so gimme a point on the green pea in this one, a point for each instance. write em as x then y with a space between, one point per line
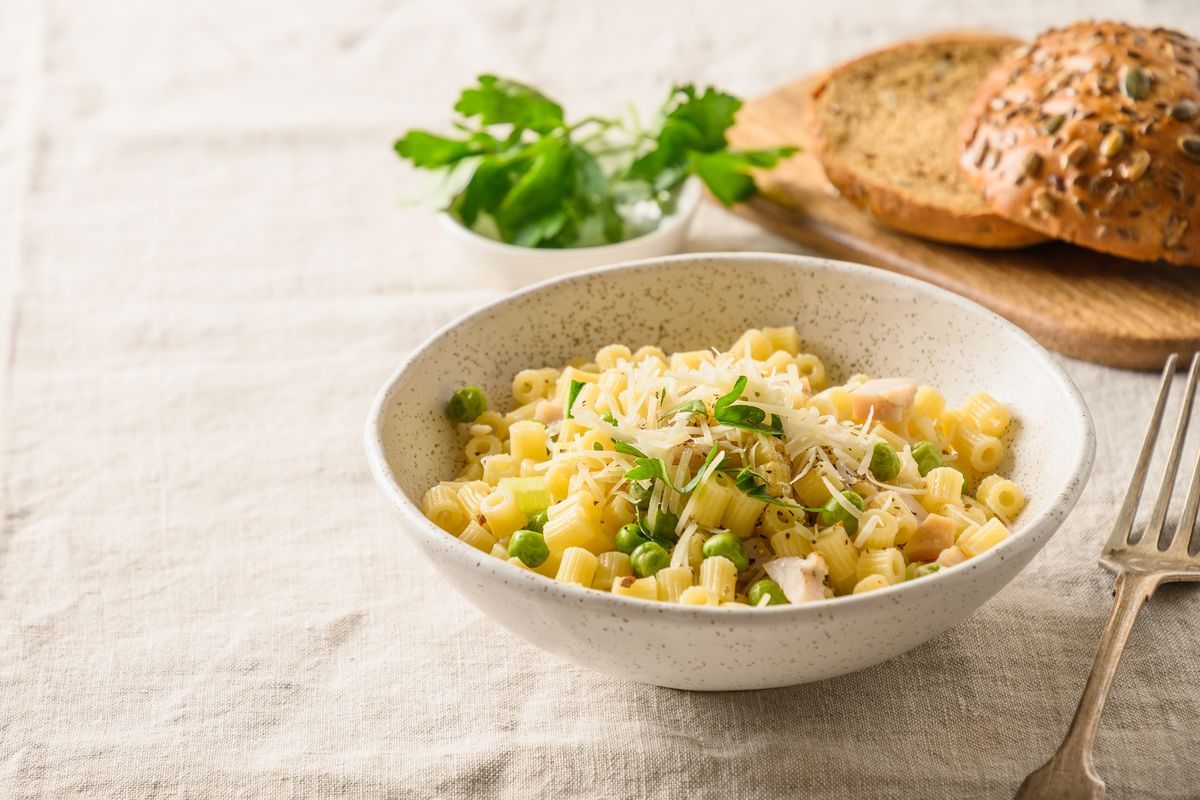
728 545
537 522
927 457
885 464
832 512
766 588
530 547
466 404
630 537
649 558
664 526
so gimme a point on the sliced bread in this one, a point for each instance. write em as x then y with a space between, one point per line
1091 134
885 128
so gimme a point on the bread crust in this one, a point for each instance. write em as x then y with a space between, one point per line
894 206
1091 134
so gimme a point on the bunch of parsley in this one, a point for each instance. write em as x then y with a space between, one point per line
520 172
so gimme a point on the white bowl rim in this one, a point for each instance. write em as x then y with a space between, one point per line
1056 510
689 201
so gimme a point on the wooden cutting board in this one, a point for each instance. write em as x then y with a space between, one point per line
1084 304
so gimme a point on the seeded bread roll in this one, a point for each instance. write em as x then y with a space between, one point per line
885 128
1090 134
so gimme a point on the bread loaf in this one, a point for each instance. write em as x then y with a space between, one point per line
1091 134
885 128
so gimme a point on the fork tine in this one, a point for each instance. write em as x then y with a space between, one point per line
1124 524
1154 528
1187 521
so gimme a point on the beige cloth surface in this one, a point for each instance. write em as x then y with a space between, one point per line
205 275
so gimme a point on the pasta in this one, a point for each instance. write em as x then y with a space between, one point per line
672 582
609 567
441 505
697 477
1002 497
577 566
501 514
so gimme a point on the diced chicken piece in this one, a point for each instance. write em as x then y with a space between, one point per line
547 411
888 396
932 536
802 579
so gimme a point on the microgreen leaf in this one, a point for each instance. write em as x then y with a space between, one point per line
691 485
572 393
627 449
690 407
646 468
753 485
748 418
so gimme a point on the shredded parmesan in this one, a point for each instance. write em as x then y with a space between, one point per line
679 558
864 532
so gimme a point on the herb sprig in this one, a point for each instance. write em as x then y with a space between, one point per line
533 179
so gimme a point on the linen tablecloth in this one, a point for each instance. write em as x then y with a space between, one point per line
206 271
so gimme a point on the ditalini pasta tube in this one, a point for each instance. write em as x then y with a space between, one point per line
694 477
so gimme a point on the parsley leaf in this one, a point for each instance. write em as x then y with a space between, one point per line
500 101
430 151
727 173
533 179
746 417
692 141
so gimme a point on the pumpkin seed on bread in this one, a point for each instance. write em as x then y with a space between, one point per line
885 128
1091 134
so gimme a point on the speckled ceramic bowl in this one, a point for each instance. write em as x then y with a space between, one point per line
858 320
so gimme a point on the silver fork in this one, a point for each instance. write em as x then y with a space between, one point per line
1141 563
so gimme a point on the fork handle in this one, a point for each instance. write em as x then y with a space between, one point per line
1070 774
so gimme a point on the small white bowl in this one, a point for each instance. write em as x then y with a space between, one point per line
856 319
516 266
